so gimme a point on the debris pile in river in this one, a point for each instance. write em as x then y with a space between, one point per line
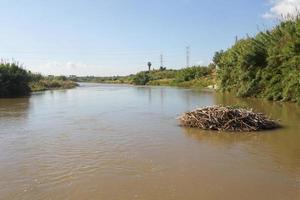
227 119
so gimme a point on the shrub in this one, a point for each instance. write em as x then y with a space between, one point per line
13 80
191 73
267 65
141 78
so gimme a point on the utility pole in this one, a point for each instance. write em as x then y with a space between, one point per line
161 61
188 56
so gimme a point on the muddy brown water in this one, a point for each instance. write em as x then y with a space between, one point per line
123 142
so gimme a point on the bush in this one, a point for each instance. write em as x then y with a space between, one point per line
191 73
50 84
267 65
141 78
13 80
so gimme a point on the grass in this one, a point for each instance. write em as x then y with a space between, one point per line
45 84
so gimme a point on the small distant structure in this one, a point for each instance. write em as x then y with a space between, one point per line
149 66
162 68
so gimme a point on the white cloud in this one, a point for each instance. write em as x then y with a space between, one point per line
283 8
78 68
75 65
61 68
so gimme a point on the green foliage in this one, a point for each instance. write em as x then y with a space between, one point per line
111 79
161 68
33 77
41 83
141 78
199 83
48 84
57 78
162 82
154 77
217 57
267 65
191 73
187 77
196 76
13 80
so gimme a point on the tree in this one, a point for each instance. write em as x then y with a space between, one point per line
13 80
141 78
191 73
149 66
266 65
217 57
162 68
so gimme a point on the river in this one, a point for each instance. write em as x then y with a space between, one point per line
119 142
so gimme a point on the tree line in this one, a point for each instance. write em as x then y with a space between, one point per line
16 81
266 65
196 76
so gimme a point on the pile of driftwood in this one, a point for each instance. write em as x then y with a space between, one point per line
227 119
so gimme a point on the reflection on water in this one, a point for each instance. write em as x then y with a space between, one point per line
123 142
288 112
283 142
11 110
13 107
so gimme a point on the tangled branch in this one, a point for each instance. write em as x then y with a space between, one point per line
227 119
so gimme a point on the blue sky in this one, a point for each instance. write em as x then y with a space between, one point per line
118 37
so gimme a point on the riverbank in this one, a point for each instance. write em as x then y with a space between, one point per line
266 65
263 66
45 84
15 81
192 77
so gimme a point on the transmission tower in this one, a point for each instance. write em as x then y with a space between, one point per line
161 60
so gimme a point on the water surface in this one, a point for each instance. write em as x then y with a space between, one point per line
123 142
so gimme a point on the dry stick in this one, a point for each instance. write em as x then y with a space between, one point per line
226 118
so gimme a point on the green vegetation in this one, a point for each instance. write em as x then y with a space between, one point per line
196 77
41 83
108 79
15 81
267 65
154 77
141 78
